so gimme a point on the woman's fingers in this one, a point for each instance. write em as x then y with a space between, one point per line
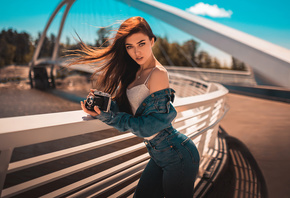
83 106
92 113
97 110
91 92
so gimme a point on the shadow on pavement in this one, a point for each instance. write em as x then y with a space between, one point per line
241 177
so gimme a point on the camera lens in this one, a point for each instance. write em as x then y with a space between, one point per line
90 100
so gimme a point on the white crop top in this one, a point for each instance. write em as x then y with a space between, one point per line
138 93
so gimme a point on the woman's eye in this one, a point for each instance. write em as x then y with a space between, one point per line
128 47
141 44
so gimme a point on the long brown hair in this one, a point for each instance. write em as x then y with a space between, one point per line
116 69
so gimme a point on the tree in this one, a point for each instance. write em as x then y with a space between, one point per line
15 48
238 65
161 51
204 60
47 46
7 52
177 55
190 47
67 41
103 35
216 63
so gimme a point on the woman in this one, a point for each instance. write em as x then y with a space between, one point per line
142 103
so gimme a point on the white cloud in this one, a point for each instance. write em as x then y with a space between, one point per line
210 10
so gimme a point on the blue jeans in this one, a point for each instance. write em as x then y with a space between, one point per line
172 169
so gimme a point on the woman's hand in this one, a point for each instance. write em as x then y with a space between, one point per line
91 92
96 111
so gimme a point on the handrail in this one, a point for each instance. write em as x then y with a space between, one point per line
198 117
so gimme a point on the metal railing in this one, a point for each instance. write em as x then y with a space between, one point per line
109 165
223 76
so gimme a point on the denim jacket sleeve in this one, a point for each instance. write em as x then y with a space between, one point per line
157 115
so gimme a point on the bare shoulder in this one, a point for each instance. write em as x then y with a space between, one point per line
159 79
160 73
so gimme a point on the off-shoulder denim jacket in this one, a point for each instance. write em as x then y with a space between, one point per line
154 114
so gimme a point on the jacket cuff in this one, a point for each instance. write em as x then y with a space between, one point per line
105 116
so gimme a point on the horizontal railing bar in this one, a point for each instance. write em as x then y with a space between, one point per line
188 78
97 177
196 133
125 190
196 140
68 171
190 122
216 108
197 101
226 108
196 128
184 117
218 102
19 165
130 176
213 117
230 72
204 163
46 127
106 184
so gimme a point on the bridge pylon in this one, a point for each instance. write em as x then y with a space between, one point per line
38 73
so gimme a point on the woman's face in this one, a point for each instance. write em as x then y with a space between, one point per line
139 47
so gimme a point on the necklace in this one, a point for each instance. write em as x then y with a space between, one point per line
139 76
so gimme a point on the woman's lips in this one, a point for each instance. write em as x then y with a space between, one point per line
139 58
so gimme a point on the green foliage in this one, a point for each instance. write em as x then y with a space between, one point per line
15 48
183 55
47 46
103 35
238 65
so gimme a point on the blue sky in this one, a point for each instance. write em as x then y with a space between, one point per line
268 20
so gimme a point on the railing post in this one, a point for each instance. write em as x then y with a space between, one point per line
204 137
5 158
211 143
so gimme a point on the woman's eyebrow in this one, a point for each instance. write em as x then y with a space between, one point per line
140 41
137 43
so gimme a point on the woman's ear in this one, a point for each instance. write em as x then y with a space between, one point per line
152 42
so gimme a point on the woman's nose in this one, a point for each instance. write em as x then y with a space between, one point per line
137 51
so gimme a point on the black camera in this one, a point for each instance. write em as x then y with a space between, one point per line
100 99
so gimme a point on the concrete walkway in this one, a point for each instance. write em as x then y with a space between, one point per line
264 127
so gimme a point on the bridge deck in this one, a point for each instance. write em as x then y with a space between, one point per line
264 127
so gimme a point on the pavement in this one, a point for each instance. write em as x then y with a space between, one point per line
31 102
263 126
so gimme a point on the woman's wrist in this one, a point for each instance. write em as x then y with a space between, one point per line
104 116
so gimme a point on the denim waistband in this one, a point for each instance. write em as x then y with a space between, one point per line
161 136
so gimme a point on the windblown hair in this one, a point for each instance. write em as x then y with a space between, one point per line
115 68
